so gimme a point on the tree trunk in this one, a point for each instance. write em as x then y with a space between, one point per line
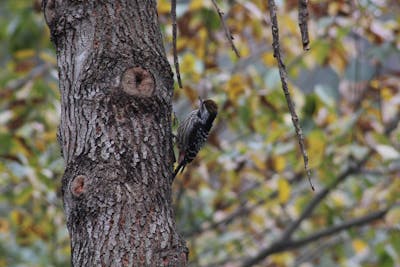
115 133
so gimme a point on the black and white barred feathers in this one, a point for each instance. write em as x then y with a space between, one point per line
193 132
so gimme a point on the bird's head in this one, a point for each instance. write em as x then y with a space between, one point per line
208 110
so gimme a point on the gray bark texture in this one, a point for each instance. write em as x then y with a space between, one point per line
115 133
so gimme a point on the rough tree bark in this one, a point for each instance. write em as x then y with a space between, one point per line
115 133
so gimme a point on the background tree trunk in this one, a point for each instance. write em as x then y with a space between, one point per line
116 87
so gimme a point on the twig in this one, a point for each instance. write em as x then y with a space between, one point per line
340 227
283 75
285 245
227 32
303 18
282 243
322 194
174 31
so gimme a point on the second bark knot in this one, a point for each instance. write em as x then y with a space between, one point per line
78 185
138 82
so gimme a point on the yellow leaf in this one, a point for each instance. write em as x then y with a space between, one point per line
164 7
268 58
258 29
331 118
316 148
339 199
48 57
259 161
181 43
289 22
188 63
40 144
337 61
282 259
200 42
196 4
257 218
333 8
4 226
254 104
67 250
393 191
25 53
279 163
374 84
243 50
235 86
386 94
49 136
284 190
16 217
359 246
259 125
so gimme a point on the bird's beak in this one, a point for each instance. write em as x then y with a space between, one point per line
200 101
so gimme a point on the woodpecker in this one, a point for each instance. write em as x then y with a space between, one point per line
193 132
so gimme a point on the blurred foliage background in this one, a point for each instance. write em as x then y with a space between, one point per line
247 185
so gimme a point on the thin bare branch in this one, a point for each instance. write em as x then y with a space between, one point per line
340 227
226 29
284 242
285 245
174 33
283 75
322 194
303 18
